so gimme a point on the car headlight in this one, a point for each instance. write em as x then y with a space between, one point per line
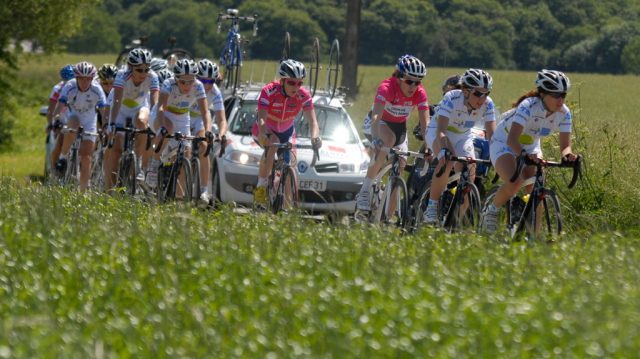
364 166
354 167
243 158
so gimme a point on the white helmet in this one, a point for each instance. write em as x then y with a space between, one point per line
207 69
412 66
553 81
473 78
292 69
139 56
158 64
185 67
164 74
84 69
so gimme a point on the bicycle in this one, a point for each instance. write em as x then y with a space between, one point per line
195 165
231 55
129 162
71 176
382 207
121 60
314 66
524 213
282 185
460 203
333 69
97 175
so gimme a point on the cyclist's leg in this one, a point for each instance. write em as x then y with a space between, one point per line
197 126
388 137
266 164
86 151
114 153
141 123
402 143
438 184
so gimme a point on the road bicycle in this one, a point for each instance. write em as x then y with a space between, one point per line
282 185
97 175
128 164
333 70
314 66
388 202
231 55
460 203
71 175
173 51
537 214
195 165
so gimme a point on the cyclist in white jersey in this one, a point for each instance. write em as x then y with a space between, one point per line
177 96
535 115
163 75
106 76
135 91
66 74
457 113
207 74
81 96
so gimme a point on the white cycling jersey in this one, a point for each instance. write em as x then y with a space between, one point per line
215 101
178 103
54 96
83 104
134 96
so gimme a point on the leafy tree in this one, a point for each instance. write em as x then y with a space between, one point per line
630 58
99 34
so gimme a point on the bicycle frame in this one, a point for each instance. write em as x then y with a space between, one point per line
231 55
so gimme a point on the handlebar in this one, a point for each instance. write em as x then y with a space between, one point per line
148 131
178 136
289 146
468 160
524 160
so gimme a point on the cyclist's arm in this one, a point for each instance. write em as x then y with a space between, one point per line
52 106
221 119
162 103
443 123
56 110
565 146
423 119
118 93
310 115
489 128
204 112
262 118
376 116
153 98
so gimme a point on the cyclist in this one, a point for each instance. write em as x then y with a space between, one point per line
66 74
395 99
279 104
81 96
163 75
106 75
536 114
207 74
158 64
457 113
135 91
177 96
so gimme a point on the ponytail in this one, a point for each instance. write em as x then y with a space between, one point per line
531 93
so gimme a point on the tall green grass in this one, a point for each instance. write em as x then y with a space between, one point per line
96 276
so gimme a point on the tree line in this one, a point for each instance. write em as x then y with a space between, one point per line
572 35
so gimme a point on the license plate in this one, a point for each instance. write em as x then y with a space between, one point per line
312 185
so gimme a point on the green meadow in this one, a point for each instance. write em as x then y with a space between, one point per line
89 275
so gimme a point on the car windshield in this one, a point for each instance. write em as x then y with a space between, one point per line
334 123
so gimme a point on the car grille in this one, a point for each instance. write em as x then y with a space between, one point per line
327 168
326 197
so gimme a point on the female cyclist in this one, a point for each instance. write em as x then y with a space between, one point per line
278 105
395 99
135 91
106 75
66 74
458 112
536 114
81 96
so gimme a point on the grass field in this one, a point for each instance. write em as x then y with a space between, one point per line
96 276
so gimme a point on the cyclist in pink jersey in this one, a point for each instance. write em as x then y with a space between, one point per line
278 105
396 97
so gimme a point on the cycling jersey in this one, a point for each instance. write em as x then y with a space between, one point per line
55 95
135 96
178 104
82 105
282 110
215 102
460 120
398 107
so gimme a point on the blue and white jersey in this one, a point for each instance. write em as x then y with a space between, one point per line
461 121
214 99
82 104
532 115
179 103
135 96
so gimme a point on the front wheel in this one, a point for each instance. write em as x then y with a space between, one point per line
396 203
545 221
195 175
127 174
465 208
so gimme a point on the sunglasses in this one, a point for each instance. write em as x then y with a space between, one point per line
412 82
558 95
207 81
480 94
294 83
145 70
186 82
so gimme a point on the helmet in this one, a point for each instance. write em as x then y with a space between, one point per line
410 65
158 64
84 69
163 75
139 56
553 81
207 69
107 71
66 73
292 69
473 78
185 67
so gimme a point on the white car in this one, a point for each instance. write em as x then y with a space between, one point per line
329 187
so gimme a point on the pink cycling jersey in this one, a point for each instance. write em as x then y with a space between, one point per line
398 107
282 110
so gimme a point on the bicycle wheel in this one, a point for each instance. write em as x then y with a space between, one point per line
286 49
334 68
289 183
275 191
314 67
471 216
195 175
419 207
544 221
71 174
97 175
127 174
182 180
396 203
162 187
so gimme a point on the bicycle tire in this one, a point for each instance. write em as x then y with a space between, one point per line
471 217
334 68
417 208
550 226
195 176
314 67
71 174
215 182
286 49
275 196
399 214
97 175
163 183
127 174
179 52
182 167
288 184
